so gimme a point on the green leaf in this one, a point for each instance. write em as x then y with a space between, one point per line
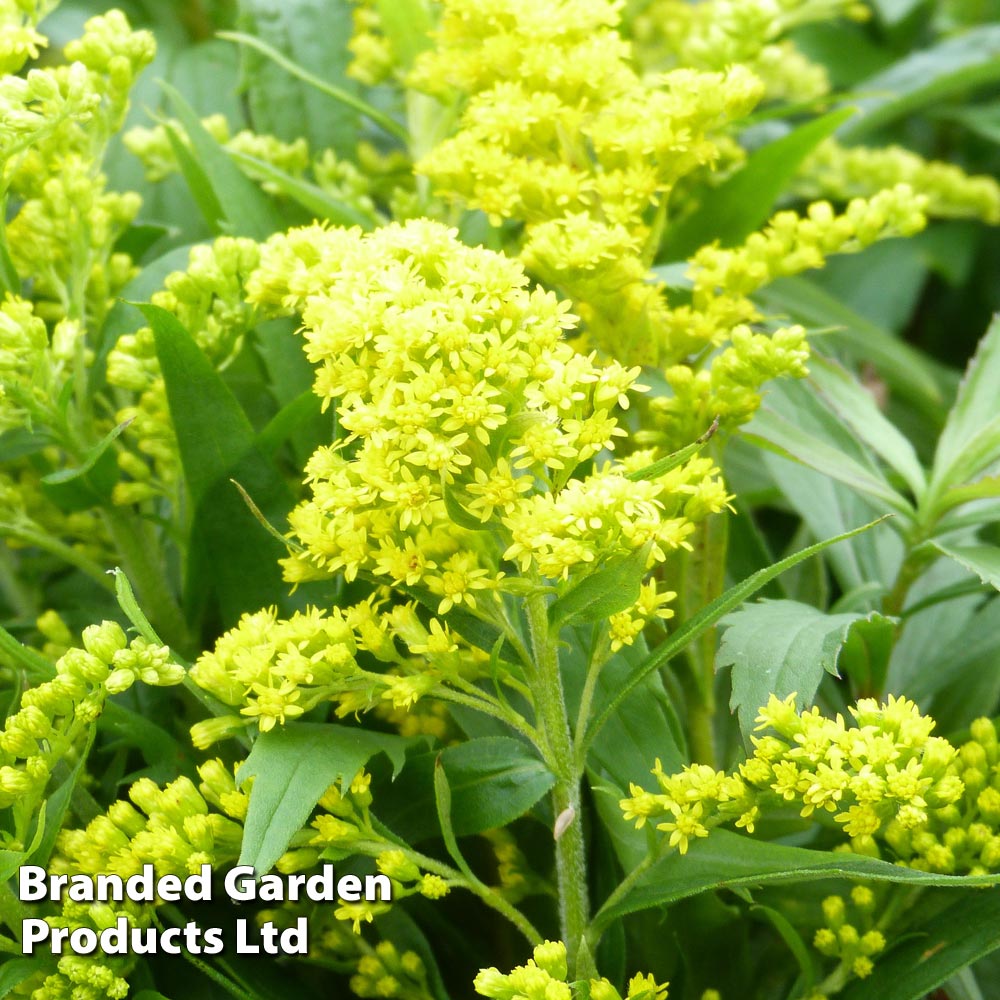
983 120
9 279
10 861
32 661
726 860
786 437
603 593
128 604
970 440
341 96
952 939
89 459
966 648
743 202
300 412
829 508
311 37
56 806
442 803
309 196
16 970
892 12
232 559
780 648
492 780
983 560
206 75
793 939
858 410
643 728
906 371
211 427
197 181
90 483
673 460
865 655
292 767
707 617
246 209
966 60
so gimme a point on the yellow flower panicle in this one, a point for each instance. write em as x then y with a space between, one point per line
560 132
896 790
274 670
713 34
174 829
55 717
463 406
841 172
56 126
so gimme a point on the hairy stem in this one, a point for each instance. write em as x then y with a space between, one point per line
571 866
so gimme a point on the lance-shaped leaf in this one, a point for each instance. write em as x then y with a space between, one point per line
292 767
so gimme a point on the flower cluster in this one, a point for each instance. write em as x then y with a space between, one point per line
276 669
172 828
61 120
19 41
723 278
55 716
559 131
836 171
32 369
544 975
463 408
372 58
386 972
853 943
714 34
886 780
153 147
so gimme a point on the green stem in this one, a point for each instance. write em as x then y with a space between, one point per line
703 582
913 565
137 549
487 894
571 861
489 706
599 654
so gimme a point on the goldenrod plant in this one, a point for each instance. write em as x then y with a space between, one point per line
479 515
